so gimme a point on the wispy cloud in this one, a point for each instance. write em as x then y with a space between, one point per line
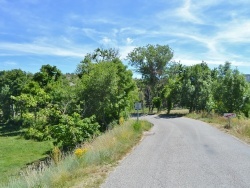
35 49
186 14
9 63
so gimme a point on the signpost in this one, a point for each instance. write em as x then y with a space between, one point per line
137 107
229 116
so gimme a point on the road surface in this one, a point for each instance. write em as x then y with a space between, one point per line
181 152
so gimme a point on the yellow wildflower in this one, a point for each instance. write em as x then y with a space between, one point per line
80 152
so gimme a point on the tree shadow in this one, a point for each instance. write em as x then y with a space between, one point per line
134 115
10 129
171 116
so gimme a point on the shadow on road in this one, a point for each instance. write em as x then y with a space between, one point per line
170 116
167 116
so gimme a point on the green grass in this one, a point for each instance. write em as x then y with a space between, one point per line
16 152
90 170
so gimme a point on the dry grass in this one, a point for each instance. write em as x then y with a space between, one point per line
240 127
89 170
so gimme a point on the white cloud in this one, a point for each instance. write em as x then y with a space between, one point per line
125 50
187 14
235 32
106 40
129 40
37 49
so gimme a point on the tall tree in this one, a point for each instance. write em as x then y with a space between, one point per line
196 87
151 61
106 89
11 84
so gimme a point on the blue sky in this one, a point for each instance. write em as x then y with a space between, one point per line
60 32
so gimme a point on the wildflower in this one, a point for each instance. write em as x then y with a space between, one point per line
80 152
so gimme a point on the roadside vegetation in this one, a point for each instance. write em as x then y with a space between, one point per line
88 164
240 126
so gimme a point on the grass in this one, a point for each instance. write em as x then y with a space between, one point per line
89 170
240 127
16 152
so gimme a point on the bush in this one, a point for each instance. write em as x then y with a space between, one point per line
73 130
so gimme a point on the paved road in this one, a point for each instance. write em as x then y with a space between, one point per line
184 153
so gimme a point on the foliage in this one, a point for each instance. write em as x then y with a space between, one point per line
106 91
231 90
151 61
11 84
73 130
196 88
47 75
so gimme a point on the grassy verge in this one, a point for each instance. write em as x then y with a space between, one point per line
16 152
91 168
240 127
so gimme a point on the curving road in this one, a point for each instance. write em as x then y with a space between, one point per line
182 152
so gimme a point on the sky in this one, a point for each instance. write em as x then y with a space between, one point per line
60 32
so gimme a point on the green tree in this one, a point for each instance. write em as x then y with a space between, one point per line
106 90
32 99
11 84
231 90
47 75
151 61
171 93
99 55
196 87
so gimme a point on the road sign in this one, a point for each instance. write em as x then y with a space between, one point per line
137 106
229 115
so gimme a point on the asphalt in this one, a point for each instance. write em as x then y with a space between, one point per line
181 152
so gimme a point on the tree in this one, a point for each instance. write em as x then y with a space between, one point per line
32 99
99 55
47 75
196 87
11 84
171 93
106 90
231 90
151 62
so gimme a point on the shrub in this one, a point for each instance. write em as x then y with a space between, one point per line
73 130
